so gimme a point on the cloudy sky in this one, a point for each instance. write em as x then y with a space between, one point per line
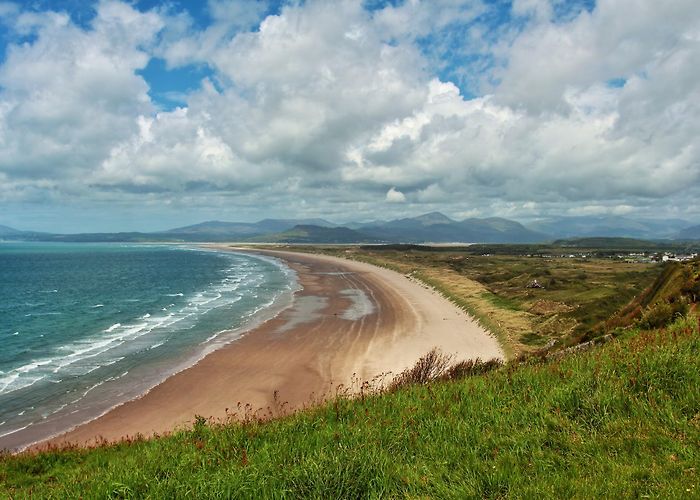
145 114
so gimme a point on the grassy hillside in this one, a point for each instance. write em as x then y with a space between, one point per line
622 420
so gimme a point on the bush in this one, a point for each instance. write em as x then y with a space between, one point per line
435 365
429 367
664 313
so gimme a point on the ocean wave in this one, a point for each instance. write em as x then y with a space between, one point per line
84 356
15 430
113 327
20 378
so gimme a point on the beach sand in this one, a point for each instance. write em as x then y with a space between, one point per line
350 322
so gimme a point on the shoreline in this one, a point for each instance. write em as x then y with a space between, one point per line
32 435
351 322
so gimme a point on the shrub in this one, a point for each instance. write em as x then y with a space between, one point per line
435 365
664 312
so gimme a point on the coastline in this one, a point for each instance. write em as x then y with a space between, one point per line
149 375
350 322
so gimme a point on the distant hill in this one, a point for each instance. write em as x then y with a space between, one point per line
100 237
17 234
216 227
438 228
608 226
316 234
8 231
610 243
689 233
219 230
278 225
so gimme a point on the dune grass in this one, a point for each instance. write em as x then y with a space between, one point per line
621 420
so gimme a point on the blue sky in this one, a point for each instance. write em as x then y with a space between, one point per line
142 115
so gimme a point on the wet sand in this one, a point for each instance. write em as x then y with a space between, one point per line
351 322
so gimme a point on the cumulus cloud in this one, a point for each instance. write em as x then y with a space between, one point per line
416 18
66 97
319 108
305 86
394 196
618 39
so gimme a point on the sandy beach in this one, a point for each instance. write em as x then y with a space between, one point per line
350 322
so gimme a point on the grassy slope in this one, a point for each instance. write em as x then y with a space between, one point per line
622 420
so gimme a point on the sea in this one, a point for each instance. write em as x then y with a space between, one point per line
86 327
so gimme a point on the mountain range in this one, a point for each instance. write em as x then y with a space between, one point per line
433 227
610 226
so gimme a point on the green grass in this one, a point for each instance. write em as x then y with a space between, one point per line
502 302
622 420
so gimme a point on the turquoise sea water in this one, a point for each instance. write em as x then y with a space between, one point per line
84 327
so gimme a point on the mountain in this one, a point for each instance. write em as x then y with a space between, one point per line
498 230
279 225
8 231
215 227
101 237
438 228
608 226
222 230
316 234
689 233
425 220
16 234
433 227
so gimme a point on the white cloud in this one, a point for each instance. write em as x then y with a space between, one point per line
394 196
240 14
303 90
66 98
541 9
415 18
329 102
619 38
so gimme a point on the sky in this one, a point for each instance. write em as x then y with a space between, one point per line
146 115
